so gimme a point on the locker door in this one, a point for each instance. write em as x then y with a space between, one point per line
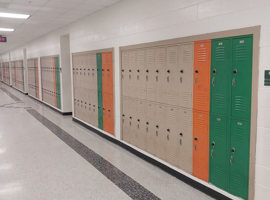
133 104
108 114
152 128
201 83
133 89
37 77
99 84
160 75
150 75
220 76
124 73
105 61
242 77
140 73
162 131
171 78
57 79
140 128
239 158
126 134
201 145
185 74
184 139
173 129
218 146
95 107
94 71
108 73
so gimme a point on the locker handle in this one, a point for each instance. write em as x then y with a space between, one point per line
123 70
129 70
157 126
181 134
182 71
147 70
233 150
123 115
196 71
130 117
138 70
235 71
168 130
213 144
168 71
231 160
214 71
213 81
195 138
147 123
233 82
138 120
157 71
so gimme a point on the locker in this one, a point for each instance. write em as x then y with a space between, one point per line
124 73
108 113
242 77
239 158
132 120
140 72
201 144
36 77
220 76
126 134
201 83
133 89
152 128
160 78
171 76
140 137
150 75
185 71
162 131
218 146
57 82
99 84
107 70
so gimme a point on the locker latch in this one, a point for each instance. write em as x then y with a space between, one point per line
231 159
212 150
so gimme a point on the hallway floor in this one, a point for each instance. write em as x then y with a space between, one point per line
47 156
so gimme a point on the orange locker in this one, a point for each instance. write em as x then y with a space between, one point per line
201 78
201 99
107 72
108 113
201 145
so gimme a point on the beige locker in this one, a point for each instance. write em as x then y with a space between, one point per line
139 71
140 138
185 94
171 76
124 73
163 131
126 121
150 75
160 74
133 89
152 128
133 105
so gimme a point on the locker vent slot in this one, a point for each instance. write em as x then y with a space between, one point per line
241 52
188 55
172 56
220 53
240 104
202 54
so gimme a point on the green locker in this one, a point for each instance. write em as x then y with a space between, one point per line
57 80
242 77
221 61
230 110
219 156
99 84
239 158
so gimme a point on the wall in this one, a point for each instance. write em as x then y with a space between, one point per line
131 22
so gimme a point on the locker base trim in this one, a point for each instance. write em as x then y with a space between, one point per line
19 90
193 183
51 107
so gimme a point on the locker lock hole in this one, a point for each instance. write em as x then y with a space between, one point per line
196 71
235 71
214 71
233 150
195 138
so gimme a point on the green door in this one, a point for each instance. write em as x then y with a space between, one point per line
221 64
99 85
218 158
57 80
242 77
239 158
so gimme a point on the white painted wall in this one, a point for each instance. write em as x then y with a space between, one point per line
131 22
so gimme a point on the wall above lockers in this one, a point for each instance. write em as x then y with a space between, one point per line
132 22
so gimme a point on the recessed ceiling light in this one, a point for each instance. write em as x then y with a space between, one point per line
6 29
14 15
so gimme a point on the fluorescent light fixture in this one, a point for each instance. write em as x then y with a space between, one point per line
6 29
14 15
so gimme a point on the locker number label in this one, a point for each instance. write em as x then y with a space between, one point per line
242 41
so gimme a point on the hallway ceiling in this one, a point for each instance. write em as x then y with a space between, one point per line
46 16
